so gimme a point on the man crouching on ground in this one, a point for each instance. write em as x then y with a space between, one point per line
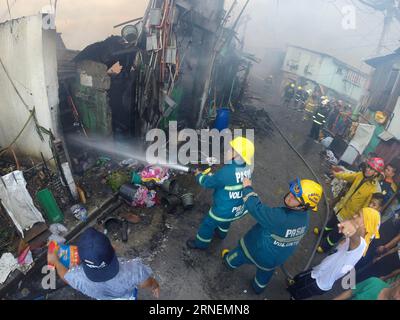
278 230
102 275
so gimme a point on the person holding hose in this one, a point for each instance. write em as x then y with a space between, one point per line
228 191
363 185
278 231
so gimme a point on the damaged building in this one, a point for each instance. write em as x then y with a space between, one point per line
180 62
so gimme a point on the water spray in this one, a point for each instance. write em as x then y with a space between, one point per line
126 151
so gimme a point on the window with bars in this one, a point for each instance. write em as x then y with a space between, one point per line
353 77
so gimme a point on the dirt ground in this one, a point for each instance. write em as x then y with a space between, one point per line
159 239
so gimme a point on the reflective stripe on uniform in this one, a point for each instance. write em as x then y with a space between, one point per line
321 115
286 240
230 258
251 194
248 255
212 215
330 242
234 188
260 285
317 122
201 179
223 230
203 240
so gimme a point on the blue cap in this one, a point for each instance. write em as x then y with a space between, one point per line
98 258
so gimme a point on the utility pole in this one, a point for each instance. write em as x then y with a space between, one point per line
390 10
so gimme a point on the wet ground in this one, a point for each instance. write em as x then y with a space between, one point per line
159 238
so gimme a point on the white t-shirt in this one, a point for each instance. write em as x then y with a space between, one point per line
338 264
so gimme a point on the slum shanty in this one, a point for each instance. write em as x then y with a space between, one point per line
199 150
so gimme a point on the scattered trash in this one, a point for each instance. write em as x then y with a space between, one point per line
17 202
326 142
170 186
58 228
25 261
116 180
144 198
337 186
130 217
79 212
331 157
170 203
187 201
81 194
116 227
102 161
136 178
58 233
130 163
154 173
7 265
49 205
128 193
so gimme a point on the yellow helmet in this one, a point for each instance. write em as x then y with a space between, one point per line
308 192
300 88
292 85
245 148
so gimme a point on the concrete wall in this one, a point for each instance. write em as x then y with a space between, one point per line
323 69
29 55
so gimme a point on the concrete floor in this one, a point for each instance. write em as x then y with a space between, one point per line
184 274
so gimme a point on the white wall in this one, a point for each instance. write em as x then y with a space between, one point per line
323 71
29 54
394 126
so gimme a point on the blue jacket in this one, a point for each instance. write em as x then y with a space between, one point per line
275 236
228 191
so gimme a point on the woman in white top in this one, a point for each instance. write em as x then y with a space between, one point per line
359 231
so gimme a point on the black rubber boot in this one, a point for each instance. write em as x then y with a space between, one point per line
191 244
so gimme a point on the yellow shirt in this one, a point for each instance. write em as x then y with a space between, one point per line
353 201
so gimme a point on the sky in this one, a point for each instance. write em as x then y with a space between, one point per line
314 24
81 22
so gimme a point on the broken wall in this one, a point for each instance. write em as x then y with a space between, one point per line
28 54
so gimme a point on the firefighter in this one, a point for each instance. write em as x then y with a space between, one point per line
289 94
278 230
298 98
305 94
363 185
319 119
228 191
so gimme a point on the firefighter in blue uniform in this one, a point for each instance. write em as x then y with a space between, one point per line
278 230
228 192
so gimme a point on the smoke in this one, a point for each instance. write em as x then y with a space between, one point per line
317 25
120 150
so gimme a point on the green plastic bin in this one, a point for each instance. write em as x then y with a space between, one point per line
49 205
